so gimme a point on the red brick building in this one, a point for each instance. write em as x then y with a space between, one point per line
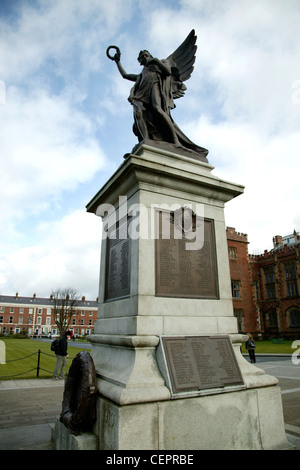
241 286
265 288
34 315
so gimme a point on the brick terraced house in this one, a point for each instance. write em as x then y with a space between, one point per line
34 316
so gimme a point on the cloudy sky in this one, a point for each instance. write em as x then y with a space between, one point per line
66 122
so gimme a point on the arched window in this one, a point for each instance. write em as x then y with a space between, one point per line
291 279
271 318
293 316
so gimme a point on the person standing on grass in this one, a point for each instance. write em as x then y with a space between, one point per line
61 355
250 346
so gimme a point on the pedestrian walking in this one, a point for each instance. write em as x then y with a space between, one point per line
61 352
250 346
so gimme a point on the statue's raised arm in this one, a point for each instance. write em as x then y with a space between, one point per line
153 94
117 59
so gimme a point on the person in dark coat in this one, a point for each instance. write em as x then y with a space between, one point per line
250 346
61 356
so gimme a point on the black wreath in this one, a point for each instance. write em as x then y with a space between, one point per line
79 399
117 52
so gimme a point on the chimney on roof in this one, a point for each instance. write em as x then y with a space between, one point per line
34 295
277 241
17 295
83 298
51 297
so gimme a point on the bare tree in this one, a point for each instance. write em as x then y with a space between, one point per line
64 303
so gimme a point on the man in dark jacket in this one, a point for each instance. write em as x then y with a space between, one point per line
61 356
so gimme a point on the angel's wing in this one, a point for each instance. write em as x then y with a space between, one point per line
182 64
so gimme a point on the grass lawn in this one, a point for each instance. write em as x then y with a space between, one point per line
268 347
17 367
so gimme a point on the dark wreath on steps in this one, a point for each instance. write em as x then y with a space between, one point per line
79 399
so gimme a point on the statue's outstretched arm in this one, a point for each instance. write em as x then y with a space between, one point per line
129 76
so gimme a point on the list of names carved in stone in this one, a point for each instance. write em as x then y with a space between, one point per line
181 272
117 279
201 362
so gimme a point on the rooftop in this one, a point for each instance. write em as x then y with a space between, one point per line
34 300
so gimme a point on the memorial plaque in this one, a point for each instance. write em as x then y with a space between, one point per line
182 272
200 362
117 275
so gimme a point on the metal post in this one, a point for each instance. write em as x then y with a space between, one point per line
38 363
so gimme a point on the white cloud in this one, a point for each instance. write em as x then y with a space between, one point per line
68 255
47 147
59 34
270 203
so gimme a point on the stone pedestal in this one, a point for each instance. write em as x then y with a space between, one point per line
144 296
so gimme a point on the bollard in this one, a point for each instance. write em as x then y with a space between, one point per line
38 363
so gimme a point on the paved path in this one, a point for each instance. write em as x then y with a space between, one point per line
28 409
288 375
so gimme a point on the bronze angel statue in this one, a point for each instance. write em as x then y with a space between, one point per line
154 92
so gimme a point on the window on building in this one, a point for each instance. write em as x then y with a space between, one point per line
293 316
21 310
82 313
269 276
29 320
10 319
232 252
235 288
39 320
291 279
271 318
73 321
238 313
20 320
48 311
256 289
2 309
11 309
1 319
270 283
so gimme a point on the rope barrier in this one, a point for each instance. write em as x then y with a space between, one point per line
21 358
15 375
37 368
